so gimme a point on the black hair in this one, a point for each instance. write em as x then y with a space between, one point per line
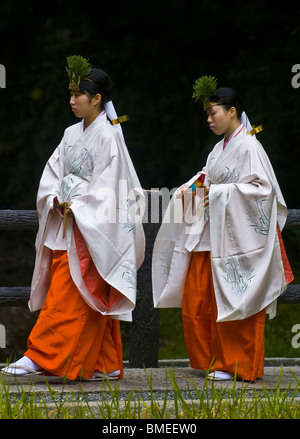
228 97
98 82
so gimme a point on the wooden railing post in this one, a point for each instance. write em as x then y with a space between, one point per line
144 329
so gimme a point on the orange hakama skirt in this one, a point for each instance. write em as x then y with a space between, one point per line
237 346
70 339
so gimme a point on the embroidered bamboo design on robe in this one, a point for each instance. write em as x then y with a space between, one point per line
129 273
228 176
259 215
80 162
78 168
127 215
238 275
165 257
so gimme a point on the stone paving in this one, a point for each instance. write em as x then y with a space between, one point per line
284 373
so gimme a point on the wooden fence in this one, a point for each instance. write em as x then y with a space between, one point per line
144 329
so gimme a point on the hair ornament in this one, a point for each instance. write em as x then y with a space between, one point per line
120 119
78 69
255 129
204 88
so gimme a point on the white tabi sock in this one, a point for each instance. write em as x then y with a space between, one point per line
24 361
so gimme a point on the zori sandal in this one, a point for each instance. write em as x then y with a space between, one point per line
20 370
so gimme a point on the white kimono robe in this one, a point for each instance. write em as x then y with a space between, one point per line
91 169
239 228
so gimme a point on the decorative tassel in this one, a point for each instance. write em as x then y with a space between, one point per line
197 184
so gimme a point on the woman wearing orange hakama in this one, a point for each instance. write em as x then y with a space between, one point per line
84 278
225 262
70 339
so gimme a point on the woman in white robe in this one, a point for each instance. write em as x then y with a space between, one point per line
219 254
89 245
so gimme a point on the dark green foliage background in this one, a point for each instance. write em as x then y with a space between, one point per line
153 51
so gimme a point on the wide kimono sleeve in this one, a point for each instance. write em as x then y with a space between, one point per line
49 187
181 227
245 207
104 234
108 215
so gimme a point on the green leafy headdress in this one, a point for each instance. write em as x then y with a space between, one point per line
78 69
204 88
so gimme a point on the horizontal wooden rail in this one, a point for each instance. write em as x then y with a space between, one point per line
28 219
19 296
18 220
293 219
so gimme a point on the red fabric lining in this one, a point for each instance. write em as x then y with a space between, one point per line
289 277
97 286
